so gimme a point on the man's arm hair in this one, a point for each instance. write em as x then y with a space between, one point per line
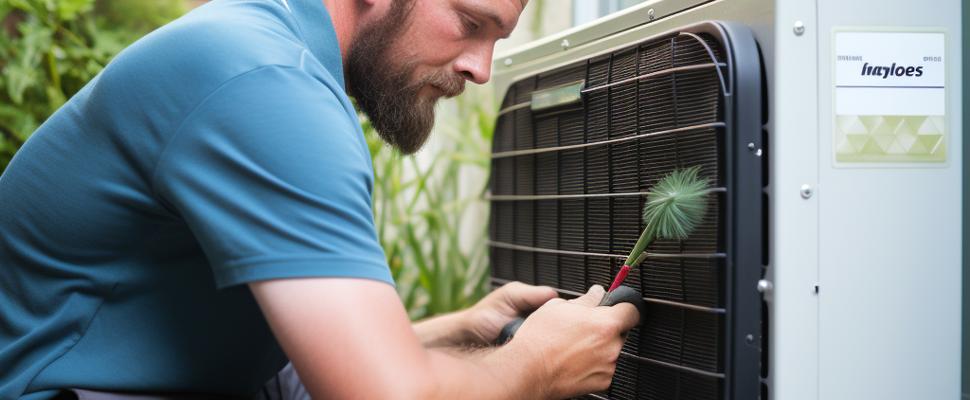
351 338
445 331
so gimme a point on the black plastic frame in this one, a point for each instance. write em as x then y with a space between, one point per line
743 155
745 236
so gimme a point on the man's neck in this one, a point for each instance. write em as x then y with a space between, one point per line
344 16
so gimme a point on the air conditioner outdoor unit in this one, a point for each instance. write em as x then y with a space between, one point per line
829 263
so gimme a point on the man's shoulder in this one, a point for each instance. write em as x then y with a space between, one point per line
212 45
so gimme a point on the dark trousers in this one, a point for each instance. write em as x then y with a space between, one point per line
285 385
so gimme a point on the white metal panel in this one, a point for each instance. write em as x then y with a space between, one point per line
889 237
794 220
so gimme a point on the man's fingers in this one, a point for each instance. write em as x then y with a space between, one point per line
525 298
627 315
592 297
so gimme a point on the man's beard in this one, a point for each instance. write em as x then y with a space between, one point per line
382 85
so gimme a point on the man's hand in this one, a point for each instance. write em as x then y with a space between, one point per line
577 340
481 324
485 319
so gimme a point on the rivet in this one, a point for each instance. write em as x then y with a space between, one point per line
565 44
749 339
764 286
751 146
806 191
508 62
799 28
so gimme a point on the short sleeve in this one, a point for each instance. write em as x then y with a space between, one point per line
272 176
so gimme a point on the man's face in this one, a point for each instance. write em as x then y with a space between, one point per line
421 50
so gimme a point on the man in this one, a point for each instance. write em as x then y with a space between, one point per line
215 169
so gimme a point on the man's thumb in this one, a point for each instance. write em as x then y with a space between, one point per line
536 296
592 297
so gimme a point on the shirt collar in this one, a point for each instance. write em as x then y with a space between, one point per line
319 34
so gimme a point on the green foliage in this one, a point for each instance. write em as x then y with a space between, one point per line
49 49
421 208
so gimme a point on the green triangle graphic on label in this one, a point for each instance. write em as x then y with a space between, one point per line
913 122
871 148
896 148
857 141
931 125
903 127
851 125
883 141
918 147
845 148
905 140
889 138
930 141
870 121
885 127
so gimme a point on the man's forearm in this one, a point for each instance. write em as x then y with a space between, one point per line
506 372
448 330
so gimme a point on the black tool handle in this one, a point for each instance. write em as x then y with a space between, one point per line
622 294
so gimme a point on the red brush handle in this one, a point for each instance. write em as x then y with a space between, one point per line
620 277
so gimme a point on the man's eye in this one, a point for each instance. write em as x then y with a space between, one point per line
469 25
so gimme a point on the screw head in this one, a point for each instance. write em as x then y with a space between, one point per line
806 191
651 14
764 286
799 28
750 145
749 339
507 62
565 44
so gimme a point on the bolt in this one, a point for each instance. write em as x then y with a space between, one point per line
565 44
799 28
651 14
508 62
764 286
806 191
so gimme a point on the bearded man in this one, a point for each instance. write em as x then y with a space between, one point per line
200 213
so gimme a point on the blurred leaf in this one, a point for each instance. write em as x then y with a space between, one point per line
49 49
69 9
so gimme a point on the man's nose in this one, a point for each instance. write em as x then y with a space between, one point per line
476 64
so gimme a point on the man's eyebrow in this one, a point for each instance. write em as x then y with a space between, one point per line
491 15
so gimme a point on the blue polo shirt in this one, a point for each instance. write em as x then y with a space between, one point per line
219 150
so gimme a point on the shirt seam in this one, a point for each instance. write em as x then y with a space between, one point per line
234 276
259 260
192 112
80 336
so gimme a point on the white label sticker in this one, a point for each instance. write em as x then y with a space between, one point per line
890 96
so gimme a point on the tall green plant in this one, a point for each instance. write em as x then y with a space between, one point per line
50 48
421 207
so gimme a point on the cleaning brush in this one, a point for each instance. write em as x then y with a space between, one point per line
675 206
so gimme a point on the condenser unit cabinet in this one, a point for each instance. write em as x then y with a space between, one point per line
828 263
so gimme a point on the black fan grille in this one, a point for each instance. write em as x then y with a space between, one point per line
565 215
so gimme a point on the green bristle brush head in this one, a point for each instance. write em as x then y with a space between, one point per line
675 206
